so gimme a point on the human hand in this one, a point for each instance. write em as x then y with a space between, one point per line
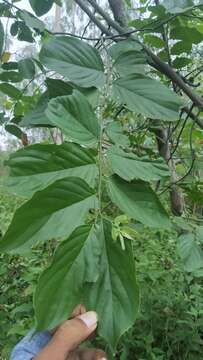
68 336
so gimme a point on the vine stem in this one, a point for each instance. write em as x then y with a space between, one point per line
103 97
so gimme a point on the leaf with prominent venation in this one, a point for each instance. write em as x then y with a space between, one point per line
115 133
74 59
86 268
131 62
75 117
190 252
41 7
147 96
116 291
37 166
138 200
130 166
51 213
61 286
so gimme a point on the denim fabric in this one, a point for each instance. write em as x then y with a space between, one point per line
30 346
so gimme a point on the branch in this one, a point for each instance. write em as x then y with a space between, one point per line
118 10
153 60
86 9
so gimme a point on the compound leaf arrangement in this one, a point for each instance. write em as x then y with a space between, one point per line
73 189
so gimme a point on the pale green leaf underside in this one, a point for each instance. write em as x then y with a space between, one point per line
190 252
147 97
51 213
86 269
129 166
138 200
74 59
37 166
76 118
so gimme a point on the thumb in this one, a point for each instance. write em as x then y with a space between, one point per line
74 331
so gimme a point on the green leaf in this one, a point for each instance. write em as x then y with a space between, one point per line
116 291
11 65
75 116
51 213
14 28
154 41
57 87
190 252
87 265
130 62
41 7
1 38
31 20
37 166
26 68
74 59
24 33
115 133
181 47
187 34
10 91
129 166
75 263
138 200
199 234
15 130
12 76
37 117
147 96
179 63
122 47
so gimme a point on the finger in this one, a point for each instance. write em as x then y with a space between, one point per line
77 330
79 310
91 354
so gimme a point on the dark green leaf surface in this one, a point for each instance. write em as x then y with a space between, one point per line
130 167
10 91
86 268
37 166
14 130
41 7
115 295
51 213
76 118
138 200
12 76
74 59
148 97
61 286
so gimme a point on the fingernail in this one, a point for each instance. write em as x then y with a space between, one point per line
89 318
103 358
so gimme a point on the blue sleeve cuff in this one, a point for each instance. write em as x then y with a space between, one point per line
30 346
